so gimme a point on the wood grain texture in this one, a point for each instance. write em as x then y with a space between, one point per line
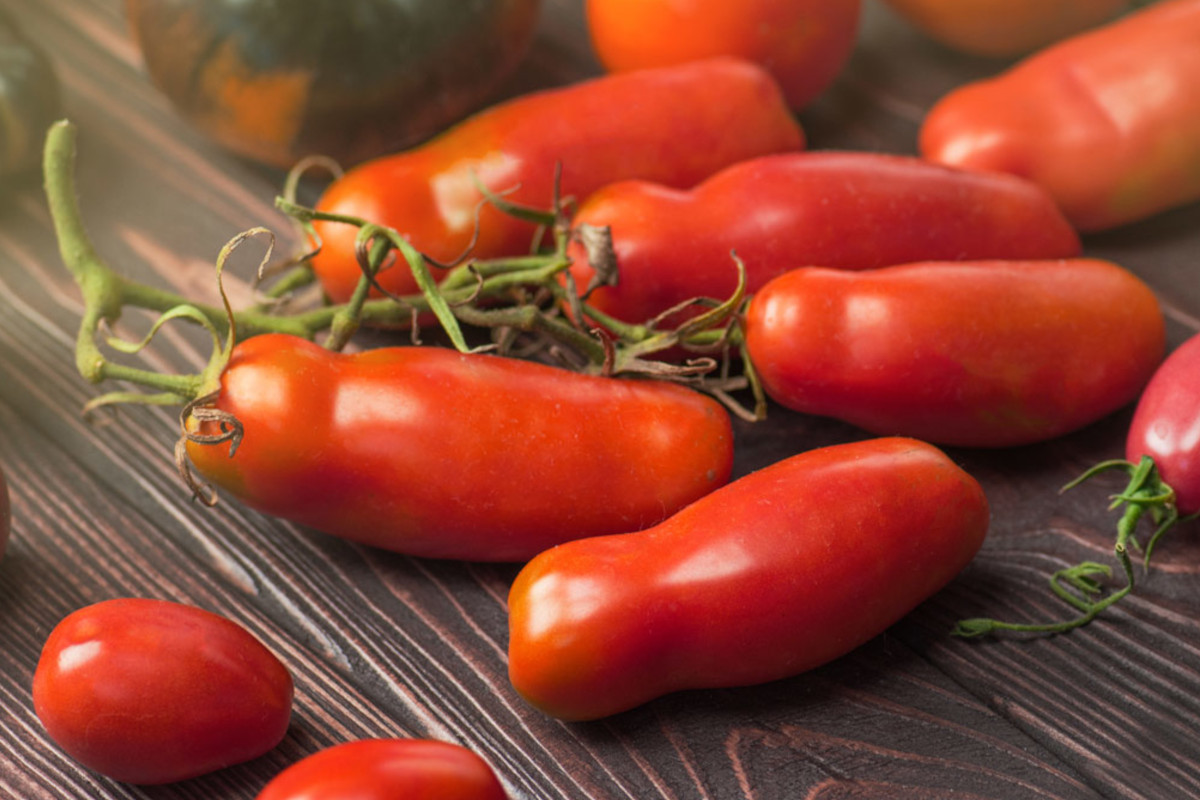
382 645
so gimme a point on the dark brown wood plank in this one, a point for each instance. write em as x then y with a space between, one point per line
386 645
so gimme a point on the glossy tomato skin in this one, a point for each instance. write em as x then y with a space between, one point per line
277 81
1003 28
779 572
803 43
979 354
1166 425
821 208
388 769
429 452
150 692
1079 119
603 130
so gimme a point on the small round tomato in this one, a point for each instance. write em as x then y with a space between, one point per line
803 43
1166 425
150 691
388 769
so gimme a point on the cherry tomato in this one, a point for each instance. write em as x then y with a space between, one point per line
388 769
1005 27
803 43
277 81
429 452
1166 425
1107 121
830 209
779 572
981 353
673 125
149 691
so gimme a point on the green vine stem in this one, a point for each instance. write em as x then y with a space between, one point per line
1146 494
525 294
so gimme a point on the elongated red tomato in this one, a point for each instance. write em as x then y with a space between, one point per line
1166 425
675 125
149 691
429 452
388 769
980 353
820 208
1107 121
778 572
804 43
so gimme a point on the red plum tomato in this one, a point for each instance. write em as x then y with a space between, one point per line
970 353
849 210
388 769
781 571
150 691
675 125
1107 121
430 452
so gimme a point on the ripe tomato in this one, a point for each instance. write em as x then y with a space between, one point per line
803 43
1107 121
149 691
277 81
388 769
1166 425
824 208
776 573
1005 27
429 452
980 353
671 125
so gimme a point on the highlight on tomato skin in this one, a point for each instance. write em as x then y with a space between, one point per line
803 43
676 125
778 572
151 691
388 769
971 354
1166 425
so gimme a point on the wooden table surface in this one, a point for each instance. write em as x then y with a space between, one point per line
383 645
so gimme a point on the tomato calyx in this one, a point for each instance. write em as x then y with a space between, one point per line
1145 495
